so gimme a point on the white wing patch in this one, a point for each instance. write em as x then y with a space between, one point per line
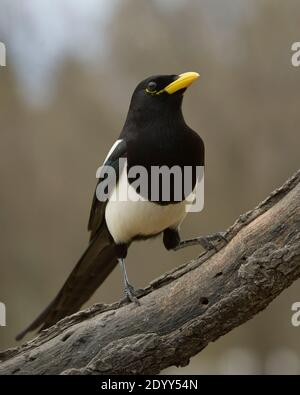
112 150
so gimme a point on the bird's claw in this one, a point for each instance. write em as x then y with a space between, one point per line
130 295
209 242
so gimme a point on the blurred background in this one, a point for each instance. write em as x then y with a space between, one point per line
64 93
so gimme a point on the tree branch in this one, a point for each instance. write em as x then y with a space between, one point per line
182 311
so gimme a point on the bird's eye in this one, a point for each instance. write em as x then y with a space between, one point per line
151 87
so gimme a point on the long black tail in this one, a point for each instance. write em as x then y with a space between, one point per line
94 266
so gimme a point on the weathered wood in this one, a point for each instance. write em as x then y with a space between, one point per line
182 311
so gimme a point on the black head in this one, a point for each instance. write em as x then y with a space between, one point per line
158 95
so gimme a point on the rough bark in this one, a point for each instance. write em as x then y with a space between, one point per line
183 310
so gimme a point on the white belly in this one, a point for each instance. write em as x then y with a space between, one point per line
128 219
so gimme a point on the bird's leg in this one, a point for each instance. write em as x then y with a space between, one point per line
207 242
129 289
171 238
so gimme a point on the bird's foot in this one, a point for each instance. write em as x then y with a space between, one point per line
210 242
131 294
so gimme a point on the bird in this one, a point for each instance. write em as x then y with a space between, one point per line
154 135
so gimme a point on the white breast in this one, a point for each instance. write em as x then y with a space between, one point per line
128 219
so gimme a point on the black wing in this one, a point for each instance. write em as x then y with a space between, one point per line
98 207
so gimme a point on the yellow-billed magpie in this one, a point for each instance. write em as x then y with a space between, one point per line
154 135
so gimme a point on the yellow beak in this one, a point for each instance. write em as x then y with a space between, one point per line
183 81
